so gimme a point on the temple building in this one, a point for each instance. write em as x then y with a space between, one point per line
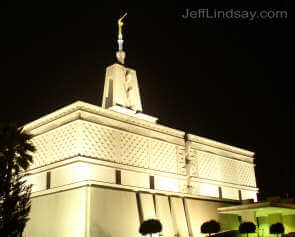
102 171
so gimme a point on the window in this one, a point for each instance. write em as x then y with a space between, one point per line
152 182
118 176
220 192
48 180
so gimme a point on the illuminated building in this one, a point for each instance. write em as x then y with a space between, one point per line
101 171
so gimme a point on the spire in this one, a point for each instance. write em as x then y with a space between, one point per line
121 91
120 53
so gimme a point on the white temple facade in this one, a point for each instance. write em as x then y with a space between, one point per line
101 171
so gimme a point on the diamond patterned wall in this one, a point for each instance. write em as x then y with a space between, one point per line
106 143
134 150
163 156
97 141
55 145
126 148
211 166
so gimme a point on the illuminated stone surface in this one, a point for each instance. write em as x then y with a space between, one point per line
147 206
179 218
58 214
164 215
112 213
200 211
85 143
121 88
83 130
119 167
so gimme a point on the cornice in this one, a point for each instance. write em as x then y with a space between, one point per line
96 110
219 145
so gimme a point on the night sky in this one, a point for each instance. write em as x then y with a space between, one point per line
225 79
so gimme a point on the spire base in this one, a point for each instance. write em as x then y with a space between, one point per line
121 56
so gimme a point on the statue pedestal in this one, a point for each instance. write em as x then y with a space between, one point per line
133 113
146 117
120 55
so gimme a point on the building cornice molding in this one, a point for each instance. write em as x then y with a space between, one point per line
92 183
223 154
224 184
82 110
219 145
83 106
95 161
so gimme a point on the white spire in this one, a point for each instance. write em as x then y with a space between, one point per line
121 91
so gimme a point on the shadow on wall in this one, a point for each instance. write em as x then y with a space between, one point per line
98 231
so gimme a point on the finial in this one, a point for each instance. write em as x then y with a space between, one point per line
120 54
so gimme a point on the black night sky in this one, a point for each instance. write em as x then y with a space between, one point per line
224 79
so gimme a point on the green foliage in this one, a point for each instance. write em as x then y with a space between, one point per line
210 227
247 227
15 148
15 157
15 207
150 226
277 228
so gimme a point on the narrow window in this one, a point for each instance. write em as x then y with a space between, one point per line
220 192
240 195
118 176
48 180
152 182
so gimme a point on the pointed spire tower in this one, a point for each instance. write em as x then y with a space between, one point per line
121 91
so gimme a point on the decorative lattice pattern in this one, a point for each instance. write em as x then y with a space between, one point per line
134 150
246 175
55 145
126 148
215 167
163 156
97 141
101 142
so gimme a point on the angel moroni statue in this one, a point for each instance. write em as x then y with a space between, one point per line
120 53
